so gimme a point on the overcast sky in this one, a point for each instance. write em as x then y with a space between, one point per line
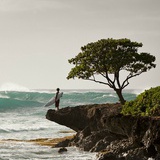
37 37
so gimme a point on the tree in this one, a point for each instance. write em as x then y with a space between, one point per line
107 57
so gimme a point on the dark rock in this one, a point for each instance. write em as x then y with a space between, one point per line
102 128
110 156
63 149
157 157
64 143
75 119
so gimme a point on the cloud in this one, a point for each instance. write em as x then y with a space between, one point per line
29 5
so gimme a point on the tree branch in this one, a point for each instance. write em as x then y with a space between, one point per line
97 81
110 82
126 82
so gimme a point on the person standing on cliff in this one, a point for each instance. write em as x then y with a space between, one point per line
57 100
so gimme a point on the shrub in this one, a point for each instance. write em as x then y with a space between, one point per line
146 104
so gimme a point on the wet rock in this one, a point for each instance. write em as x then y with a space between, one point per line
102 128
64 143
61 150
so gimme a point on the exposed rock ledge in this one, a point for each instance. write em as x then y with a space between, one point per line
101 128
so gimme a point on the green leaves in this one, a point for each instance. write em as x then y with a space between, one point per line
109 56
146 104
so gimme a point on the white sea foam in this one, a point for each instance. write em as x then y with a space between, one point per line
13 87
3 96
21 150
48 91
112 95
28 125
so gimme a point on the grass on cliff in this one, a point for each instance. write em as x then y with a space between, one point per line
146 104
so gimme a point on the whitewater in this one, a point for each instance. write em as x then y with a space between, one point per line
22 117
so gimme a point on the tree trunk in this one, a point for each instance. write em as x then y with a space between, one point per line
121 98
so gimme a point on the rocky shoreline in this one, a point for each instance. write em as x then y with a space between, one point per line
103 129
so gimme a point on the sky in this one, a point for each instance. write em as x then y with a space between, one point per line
37 37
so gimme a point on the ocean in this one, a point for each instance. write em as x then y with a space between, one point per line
22 117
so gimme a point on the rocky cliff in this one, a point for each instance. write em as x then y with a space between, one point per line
101 128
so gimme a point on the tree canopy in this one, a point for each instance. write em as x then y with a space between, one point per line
108 57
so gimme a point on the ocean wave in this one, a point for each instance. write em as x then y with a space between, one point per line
3 131
14 99
15 103
4 96
37 98
112 95
27 129
13 87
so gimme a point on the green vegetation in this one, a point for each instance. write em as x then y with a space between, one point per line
146 104
107 58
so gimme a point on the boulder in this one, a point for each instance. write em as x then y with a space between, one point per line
61 150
